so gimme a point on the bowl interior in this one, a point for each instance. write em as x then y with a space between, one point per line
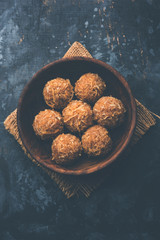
31 102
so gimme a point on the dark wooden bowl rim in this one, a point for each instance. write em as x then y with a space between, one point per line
127 138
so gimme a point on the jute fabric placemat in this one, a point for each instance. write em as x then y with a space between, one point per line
74 185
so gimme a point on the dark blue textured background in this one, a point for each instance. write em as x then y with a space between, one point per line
123 33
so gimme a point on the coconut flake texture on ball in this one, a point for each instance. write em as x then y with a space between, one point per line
109 112
96 141
77 116
48 124
58 93
89 87
66 148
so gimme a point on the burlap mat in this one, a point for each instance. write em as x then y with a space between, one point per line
74 185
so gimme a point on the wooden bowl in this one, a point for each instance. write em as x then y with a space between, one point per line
31 102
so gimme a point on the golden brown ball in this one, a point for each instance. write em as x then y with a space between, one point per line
96 141
58 93
109 112
48 124
77 116
66 148
89 87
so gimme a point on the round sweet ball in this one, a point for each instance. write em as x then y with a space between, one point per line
77 116
66 148
58 93
48 124
96 141
109 112
89 87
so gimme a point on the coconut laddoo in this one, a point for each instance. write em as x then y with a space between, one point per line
58 93
96 141
89 87
66 148
77 116
109 112
48 124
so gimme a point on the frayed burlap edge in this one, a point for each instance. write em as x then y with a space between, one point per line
74 185
77 50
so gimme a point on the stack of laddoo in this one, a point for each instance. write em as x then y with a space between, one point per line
90 124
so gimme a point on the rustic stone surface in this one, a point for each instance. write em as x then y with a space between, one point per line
124 34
